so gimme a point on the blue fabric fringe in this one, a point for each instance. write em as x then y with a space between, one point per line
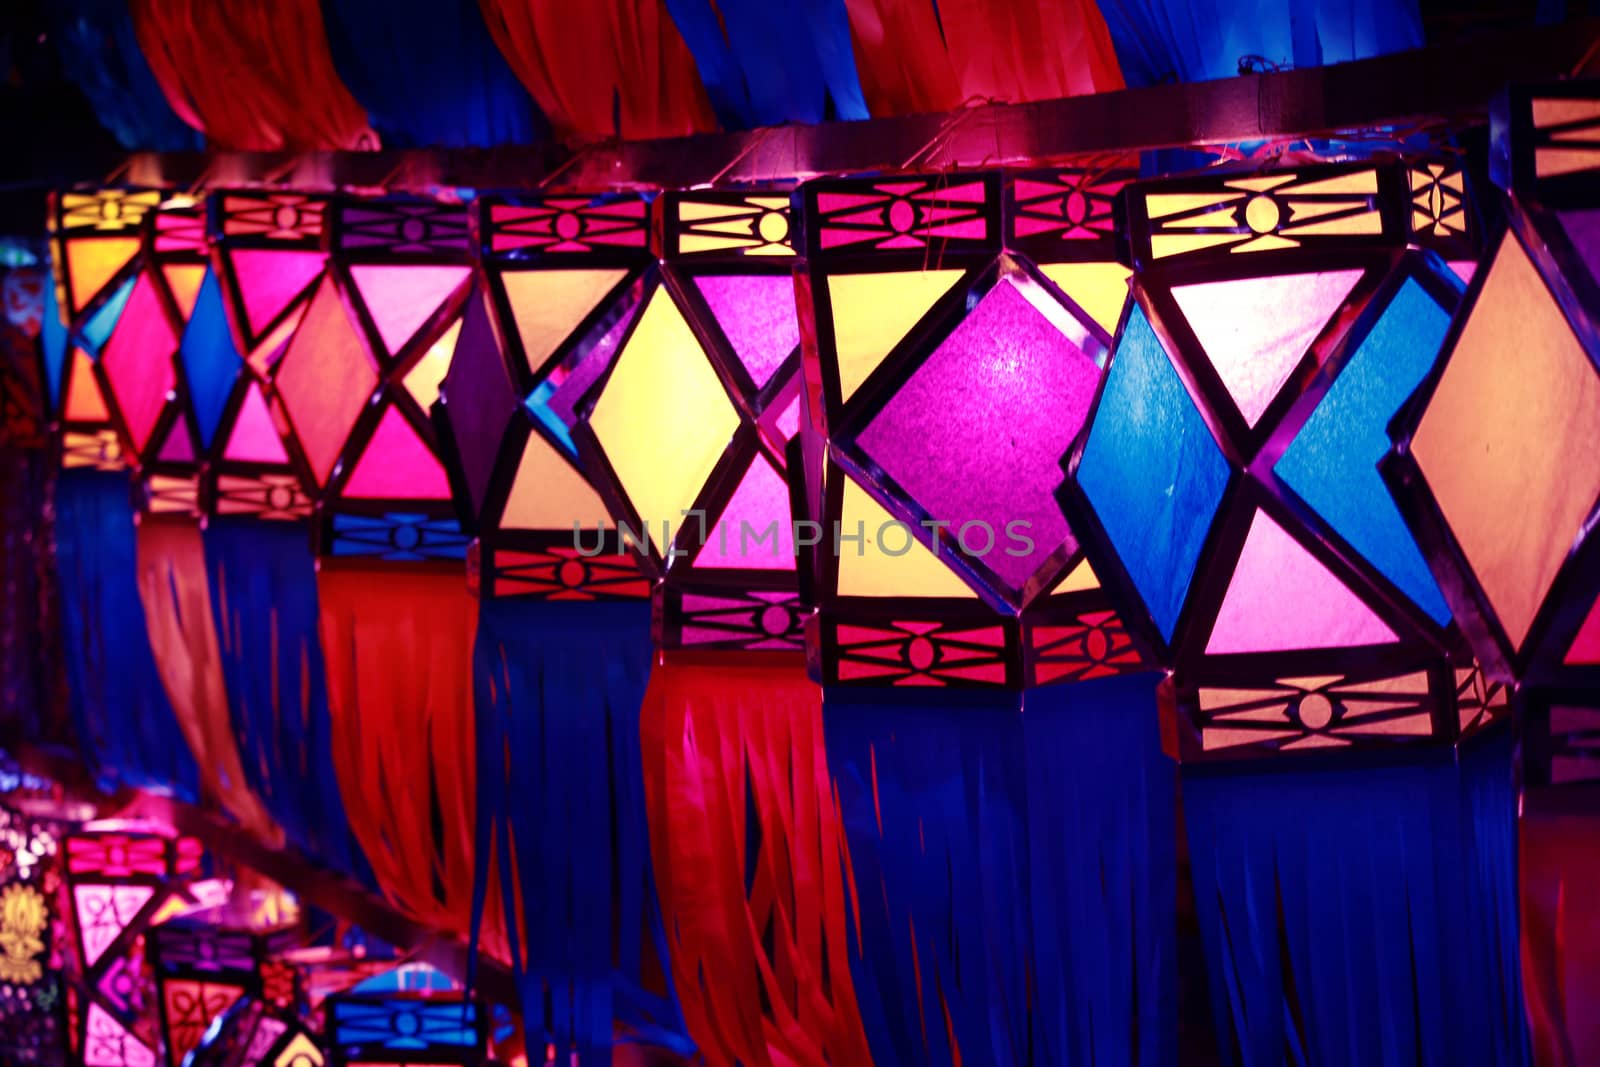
768 62
1364 915
264 597
561 793
124 722
100 52
428 73
1196 40
1018 903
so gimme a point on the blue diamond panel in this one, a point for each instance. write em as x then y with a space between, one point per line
210 362
1152 472
1333 463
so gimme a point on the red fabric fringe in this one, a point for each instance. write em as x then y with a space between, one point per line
912 58
397 641
1560 866
602 68
720 742
176 593
251 75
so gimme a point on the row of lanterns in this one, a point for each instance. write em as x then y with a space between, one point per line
634 367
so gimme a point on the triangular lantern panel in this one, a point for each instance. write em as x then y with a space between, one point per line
755 530
397 464
401 298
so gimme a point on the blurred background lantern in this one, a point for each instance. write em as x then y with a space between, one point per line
202 968
32 990
441 1028
120 881
1228 491
250 1034
563 642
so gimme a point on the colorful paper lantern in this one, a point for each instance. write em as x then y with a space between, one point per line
400 1028
202 969
1506 505
684 433
955 331
251 1034
119 883
1226 485
564 276
95 240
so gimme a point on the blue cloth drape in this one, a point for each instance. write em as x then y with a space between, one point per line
100 53
124 722
1364 915
428 73
1196 40
264 598
558 689
1014 874
767 62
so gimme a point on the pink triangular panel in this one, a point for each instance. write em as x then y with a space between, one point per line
757 312
107 1043
177 448
1464 269
138 360
401 298
104 911
398 464
761 501
1585 650
1282 598
255 438
268 281
1255 330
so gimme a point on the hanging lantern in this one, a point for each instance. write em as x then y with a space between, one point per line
250 1034
95 240
119 883
564 276
685 431
31 987
399 1028
1505 512
201 970
1227 482
953 348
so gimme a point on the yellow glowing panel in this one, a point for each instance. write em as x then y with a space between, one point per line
1160 205
547 305
1078 578
547 494
663 418
1550 162
1367 222
1306 210
1098 288
93 263
872 312
184 281
84 402
1163 245
422 380
299 1053
876 570
1362 181
1559 112
1222 216
1510 443
1211 738
695 210
1262 184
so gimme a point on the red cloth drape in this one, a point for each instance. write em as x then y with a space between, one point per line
602 68
397 641
721 740
251 75
1009 50
176 593
1560 867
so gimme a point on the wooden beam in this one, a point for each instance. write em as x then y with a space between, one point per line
1451 83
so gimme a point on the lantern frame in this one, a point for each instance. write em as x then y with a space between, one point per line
996 228
353 1041
1560 724
524 236
198 957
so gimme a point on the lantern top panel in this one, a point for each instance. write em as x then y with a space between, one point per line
1546 143
528 229
702 225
